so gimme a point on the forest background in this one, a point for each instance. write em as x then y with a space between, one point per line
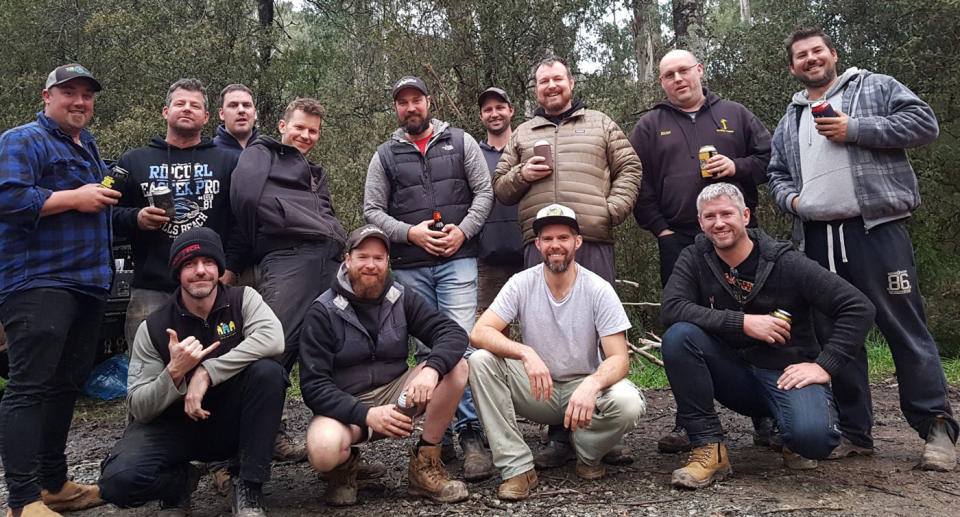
348 53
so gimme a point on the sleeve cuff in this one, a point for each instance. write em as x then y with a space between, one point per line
853 130
831 362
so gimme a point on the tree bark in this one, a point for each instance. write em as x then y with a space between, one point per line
645 27
745 11
689 24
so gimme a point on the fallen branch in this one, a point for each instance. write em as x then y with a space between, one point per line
646 355
552 493
884 490
647 503
802 509
945 491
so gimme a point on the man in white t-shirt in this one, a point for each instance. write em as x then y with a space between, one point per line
570 371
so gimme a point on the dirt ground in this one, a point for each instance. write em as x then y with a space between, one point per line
885 484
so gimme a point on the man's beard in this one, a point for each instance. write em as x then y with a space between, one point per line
185 133
498 132
828 76
412 127
199 293
558 268
365 286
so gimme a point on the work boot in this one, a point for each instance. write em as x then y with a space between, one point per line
619 455
247 499
765 431
590 472
707 464
847 449
448 452
35 509
342 481
518 487
220 481
554 455
477 463
940 452
285 449
794 461
365 470
674 441
72 497
428 478
180 507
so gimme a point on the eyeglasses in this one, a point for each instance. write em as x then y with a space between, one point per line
683 72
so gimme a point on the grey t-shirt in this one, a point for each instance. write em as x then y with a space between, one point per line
565 333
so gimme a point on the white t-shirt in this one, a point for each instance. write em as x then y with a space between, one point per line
566 333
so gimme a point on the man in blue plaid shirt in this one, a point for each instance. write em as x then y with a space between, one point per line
55 250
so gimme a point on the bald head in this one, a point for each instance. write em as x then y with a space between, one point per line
680 76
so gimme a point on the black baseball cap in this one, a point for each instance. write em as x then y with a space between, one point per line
555 214
493 91
64 73
409 81
365 232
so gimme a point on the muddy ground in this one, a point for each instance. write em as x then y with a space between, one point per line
885 484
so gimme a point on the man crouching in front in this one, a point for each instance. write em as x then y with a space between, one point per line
353 370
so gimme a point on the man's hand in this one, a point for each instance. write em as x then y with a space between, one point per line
665 232
766 328
453 239
387 421
581 405
420 388
834 128
541 384
795 203
196 389
430 240
535 169
721 166
185 355
802 374
151 218
92 198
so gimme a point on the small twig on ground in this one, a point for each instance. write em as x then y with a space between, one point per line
640 304
552 493
646 355
885 491
803 509
647 503
945 491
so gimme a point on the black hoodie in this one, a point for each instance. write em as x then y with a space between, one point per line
199 177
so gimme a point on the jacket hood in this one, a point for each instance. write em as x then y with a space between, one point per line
800 98
709 100
273 144
160 142
690 136
575 106
770 248
225 135
342 286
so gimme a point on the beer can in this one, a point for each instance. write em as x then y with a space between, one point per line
706 152
542 148
822 108
162 197
115 178
781 314
410 411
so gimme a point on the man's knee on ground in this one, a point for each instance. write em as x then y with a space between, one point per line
624 403
328 443
124 484
811 438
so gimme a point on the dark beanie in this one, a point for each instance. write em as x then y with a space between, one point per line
196 242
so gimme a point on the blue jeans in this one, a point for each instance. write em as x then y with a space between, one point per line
451 288
702 368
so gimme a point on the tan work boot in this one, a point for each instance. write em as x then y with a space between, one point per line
342 481
428 478
71 497
285 449
590 472
518 487
939 453
35 509
847 449
707 464
794 461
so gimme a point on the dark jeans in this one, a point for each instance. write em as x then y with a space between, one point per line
880 263
670 247
701 369
52 335
150 460
290 279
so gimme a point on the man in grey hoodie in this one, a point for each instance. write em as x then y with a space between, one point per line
847 181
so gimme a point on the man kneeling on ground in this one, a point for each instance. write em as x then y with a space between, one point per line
353 369
740 308
571 320
203 386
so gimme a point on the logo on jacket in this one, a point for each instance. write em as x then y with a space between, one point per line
665 133
898 282
723 122
225 330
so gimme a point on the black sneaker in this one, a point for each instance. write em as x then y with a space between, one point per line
180 507
554 455
247 499
674 441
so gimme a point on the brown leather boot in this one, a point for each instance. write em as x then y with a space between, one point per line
707 464
939 451
590 472
342 481
285 449
35 509
428 478
518 487
72 496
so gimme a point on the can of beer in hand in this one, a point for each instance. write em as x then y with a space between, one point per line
706 152
162 197
781 314
403 408
115 178
822 108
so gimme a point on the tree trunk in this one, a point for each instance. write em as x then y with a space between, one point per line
689 25
745 11
645 27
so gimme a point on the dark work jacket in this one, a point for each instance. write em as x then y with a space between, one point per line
424 183
699 293
501 242
340 359
223 324
280 199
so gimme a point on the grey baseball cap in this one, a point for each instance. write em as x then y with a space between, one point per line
64 73
493 90
365 232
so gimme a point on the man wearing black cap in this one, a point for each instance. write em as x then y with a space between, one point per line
202 386
557 376
428 188
55 250
353 370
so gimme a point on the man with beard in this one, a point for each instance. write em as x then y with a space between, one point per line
740 308
571 368
428 188
239 117
203 386
848 183
591 168
197 173
353 370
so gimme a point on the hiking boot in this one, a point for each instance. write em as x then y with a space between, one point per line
477 463
35 509
365 470
847 449
940 452
180 507
285 449
707 464
554 455
220 481
619 455
428 478
590 472
518 487
71 497
794 461
342 481
674 441
764 431
248 499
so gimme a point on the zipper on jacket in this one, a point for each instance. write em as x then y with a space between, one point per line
556 180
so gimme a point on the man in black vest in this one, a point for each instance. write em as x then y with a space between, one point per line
203 386
428 188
